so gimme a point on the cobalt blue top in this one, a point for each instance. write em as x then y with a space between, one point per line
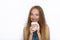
35 36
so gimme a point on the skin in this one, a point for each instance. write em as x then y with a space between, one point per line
34 15
34 18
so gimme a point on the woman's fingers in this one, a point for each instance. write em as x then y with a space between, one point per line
34 27
31 30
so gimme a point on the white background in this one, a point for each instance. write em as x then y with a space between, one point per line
14 14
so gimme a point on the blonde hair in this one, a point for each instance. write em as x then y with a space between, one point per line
41 22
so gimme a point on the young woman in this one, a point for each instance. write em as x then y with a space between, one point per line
36 14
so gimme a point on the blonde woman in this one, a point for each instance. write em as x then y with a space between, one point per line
36 15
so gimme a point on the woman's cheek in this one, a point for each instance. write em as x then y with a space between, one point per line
37 18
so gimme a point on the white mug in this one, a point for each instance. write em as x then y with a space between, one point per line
35 26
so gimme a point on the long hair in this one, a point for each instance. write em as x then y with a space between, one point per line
41 22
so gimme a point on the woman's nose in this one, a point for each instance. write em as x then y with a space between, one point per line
34 17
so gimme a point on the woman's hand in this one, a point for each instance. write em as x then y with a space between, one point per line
38 28
34 27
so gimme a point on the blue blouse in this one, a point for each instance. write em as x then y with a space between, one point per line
35 36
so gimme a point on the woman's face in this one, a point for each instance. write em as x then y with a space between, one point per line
34 15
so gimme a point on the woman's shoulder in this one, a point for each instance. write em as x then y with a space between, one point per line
47 32
47 27
25 28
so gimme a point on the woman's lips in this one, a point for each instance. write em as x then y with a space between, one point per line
34 20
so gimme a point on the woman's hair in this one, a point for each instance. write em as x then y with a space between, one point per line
41 22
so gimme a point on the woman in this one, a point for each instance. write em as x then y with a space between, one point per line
36 14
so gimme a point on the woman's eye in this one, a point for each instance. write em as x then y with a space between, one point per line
34 14
37 14
31 14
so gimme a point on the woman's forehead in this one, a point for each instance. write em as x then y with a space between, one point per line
35 11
